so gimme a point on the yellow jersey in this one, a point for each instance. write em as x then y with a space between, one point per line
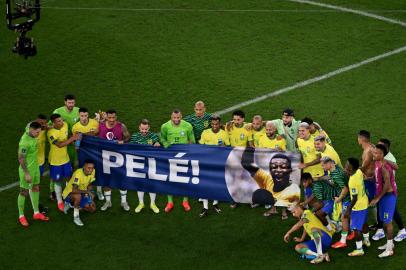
356 187
331 153
312 222
58 156
317 133
80 179
309 153
239 136
210 138
256 136
41 139
285 198
278 143
92 126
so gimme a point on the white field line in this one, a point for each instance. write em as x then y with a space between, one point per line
349 10
311 81
222 10
282 90
3 188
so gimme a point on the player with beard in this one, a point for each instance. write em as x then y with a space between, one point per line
271 140
113 130
288 127
275 187
70 115
146 137
257 130
177 131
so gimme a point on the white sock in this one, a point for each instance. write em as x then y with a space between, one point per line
99 189
140 196
215 202
58 192
366 236
152 196
30 191
389 245
123 194
107 195
75 212
205 204
319 247
311 253
358 245
343 238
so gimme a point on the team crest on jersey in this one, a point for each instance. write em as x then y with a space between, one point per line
76 180
149 141
23 150
182 133
308 149
353 190
110 136
51 138
206 124
242 136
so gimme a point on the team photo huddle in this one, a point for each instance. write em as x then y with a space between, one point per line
345 199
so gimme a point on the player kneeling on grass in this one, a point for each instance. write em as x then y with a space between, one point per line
78 191
316 248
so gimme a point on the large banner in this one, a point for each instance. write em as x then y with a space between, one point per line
199 171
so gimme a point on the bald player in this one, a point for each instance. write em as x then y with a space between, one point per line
257 130
272 140
200 120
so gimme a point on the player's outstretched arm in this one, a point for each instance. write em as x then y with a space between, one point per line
247 161
73 138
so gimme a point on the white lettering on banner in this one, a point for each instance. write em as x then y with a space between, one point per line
175 168
152 174
134 163
108 164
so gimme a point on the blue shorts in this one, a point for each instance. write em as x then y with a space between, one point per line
370 187
328 207
358 219
325 242
84 200
387 206
41 169
345 206
308 192
60 172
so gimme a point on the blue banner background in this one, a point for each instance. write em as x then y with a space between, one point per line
212 164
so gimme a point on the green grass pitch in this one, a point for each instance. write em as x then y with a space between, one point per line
145 63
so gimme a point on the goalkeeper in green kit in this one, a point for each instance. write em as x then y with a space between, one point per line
29 173
176 131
